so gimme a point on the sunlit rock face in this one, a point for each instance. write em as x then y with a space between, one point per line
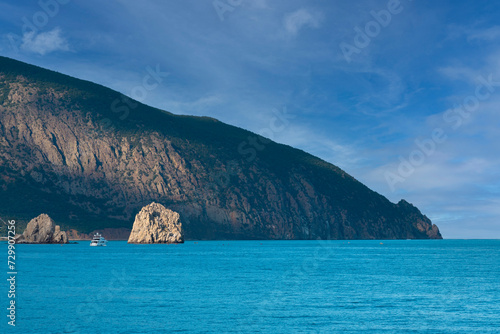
155 224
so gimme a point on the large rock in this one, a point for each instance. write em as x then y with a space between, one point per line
42 230
155 224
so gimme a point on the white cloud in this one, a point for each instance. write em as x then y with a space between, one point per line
262 4
313 141
459 73
489 34
44 42
295 21
472 33
194 107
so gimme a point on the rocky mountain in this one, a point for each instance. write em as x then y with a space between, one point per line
92 158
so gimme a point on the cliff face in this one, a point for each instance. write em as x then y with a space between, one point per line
91 158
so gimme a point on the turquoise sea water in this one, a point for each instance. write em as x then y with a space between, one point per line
445 286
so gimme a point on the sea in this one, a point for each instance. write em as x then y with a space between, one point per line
406 286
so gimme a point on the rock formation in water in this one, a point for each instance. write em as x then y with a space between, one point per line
155 224
42 230
92 158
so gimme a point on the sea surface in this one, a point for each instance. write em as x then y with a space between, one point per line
432 286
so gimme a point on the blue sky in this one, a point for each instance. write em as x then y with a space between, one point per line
403 95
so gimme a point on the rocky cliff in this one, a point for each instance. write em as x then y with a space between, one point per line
155 224
42 230
91 158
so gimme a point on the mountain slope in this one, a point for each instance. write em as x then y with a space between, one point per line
91 158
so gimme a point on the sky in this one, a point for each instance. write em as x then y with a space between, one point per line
403 95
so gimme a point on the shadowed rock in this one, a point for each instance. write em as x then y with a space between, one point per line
155 224
42 230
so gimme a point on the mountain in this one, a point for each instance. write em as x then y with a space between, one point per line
91 158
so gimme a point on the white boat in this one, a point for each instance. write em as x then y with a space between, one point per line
98 240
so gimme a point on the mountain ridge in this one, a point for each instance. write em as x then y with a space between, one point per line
104 156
